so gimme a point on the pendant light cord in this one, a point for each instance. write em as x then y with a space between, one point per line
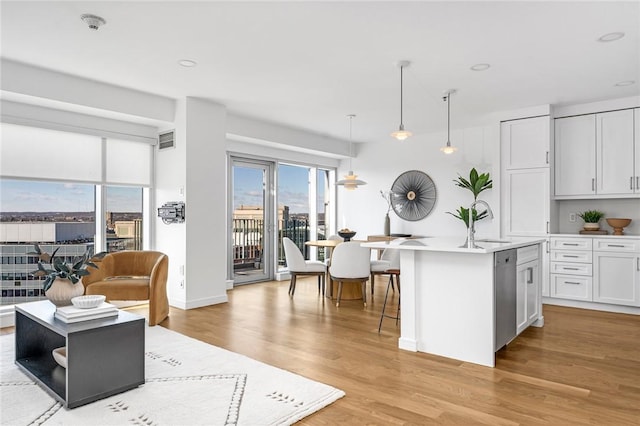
449 119
401 91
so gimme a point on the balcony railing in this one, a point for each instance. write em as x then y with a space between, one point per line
248 241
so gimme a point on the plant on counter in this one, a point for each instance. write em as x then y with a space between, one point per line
476 183
591 216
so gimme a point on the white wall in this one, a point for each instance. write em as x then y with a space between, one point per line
379 164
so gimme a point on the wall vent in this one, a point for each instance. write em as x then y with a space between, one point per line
166 140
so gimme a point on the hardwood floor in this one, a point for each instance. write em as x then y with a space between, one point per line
583 367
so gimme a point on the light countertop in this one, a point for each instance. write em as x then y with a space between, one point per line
453 244
593 236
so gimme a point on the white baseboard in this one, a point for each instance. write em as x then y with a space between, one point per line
283 276
229 284
591 305
7 316
198 303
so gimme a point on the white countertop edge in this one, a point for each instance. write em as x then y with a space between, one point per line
593 236
452 244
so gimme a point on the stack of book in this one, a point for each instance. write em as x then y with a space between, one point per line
71 314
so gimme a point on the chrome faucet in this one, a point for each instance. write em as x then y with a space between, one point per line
471 231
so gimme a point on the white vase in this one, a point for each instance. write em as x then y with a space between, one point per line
62 290
591 226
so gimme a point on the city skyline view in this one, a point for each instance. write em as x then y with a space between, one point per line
37 196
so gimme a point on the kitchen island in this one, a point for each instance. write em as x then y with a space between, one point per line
449 294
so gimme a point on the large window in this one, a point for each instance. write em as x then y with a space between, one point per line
55 187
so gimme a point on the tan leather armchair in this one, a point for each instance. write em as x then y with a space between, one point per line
133 275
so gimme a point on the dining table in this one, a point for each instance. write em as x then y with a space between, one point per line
349 292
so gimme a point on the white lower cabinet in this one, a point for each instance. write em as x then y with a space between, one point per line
616 278
527 288
603 270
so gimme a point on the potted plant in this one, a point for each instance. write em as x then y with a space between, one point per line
591 219
63 280
476 184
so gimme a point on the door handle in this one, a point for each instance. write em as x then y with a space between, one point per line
530 277
631 183
547 157
593 184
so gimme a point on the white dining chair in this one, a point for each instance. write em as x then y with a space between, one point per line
298 266
350 262
389 261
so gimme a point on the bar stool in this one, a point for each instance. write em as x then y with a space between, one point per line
392 273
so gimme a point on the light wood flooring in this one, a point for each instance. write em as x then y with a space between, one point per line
583 367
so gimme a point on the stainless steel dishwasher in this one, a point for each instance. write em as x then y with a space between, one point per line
505 296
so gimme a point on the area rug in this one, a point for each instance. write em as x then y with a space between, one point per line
188 382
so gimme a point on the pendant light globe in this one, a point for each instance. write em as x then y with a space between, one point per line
350 181
448 149
401 134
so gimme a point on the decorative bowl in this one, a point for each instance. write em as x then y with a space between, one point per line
617 224
88 301
60 355
347 235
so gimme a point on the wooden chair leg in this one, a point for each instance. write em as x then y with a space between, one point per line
292 286
373 282
319 283
324 284
339 293
364 293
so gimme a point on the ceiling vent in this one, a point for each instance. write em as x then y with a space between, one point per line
166 140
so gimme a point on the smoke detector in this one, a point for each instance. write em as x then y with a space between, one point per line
94 22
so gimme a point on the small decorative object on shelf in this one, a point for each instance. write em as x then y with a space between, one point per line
387 221
618 224
63 280
591 219
346 234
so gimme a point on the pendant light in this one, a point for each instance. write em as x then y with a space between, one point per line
448 149
350 181
401 134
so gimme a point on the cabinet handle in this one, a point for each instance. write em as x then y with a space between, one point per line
547 227
638 263
638 182
547 157
570 255
631 183
566 268
615 245
546 243
530 277
572 282
593 184
570 244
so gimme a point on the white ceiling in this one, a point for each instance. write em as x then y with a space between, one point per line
309 64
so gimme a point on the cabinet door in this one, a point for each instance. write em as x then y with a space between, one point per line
527 294
525 143
533 291
616 278
521 298
614 155
526 202
636 114
575 155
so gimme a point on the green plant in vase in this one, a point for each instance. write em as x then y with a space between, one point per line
476 183
591 219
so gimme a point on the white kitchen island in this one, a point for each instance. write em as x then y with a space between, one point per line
448 302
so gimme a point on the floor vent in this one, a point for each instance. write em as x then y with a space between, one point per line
166 140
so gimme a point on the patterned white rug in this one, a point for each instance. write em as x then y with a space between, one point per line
188 382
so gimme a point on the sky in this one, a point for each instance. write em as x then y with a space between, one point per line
293 187
32 196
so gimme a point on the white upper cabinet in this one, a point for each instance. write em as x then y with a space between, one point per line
614 155
596 156
575 155
525 143
637 149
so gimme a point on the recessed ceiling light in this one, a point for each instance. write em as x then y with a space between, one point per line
93 21
625 83
188 63
611 37
480 67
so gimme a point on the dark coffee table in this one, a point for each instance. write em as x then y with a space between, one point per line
104 356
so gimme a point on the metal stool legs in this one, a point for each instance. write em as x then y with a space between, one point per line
384 305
